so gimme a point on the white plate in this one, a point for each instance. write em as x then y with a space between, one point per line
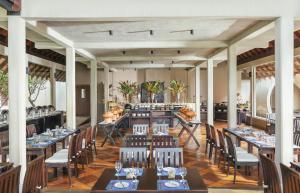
172 184
121 185
167 169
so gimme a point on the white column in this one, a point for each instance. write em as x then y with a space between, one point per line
253 91
17 87
197 92
93 92
53 85
210 92
106 86
232 73
284 92
71 88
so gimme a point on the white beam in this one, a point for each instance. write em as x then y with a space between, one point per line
152 65
93 95
210 90
71 88
142 9
47 45
197 93
284 92
253 91
17 90
53 85
151 58
85 54
106 87
232 86
149 45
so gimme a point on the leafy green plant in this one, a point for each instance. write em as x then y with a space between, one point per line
3 88
128 89
35 85
153 87
176 88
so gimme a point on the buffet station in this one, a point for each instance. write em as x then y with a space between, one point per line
42 117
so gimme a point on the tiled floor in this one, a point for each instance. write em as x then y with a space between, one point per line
194 157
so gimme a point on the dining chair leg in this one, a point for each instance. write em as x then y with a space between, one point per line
82 162
94 143
211 148
46 175
216 152
228 166
234 175
69 175
206 147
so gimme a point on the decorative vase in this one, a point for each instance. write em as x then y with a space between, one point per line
178 97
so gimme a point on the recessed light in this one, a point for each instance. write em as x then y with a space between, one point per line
178 52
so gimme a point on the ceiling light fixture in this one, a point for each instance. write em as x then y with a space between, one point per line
110 32
130 62
151 62
192 32
124 52
151 51
178 52
187 30
151 32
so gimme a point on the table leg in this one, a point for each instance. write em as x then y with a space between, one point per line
192 135
182 130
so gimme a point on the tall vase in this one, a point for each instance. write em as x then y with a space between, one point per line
178 97
152 97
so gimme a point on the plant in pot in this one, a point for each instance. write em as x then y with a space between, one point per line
153 88
128 89
176 88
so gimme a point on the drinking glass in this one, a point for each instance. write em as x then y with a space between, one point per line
134 174
35 139
118 167
160 166
183 173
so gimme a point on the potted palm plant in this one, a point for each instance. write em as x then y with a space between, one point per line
176 88
128 89
153 88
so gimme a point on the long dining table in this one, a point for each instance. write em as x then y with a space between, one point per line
264 142
148 182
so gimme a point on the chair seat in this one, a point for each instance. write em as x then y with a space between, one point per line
246 157
58 157
240 150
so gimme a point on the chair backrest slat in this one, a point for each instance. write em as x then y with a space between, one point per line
33 180
163 141
290 179
136 141
9 180
140 129
230 146
222 140
169 156
133 156
30 129
208 131
270 174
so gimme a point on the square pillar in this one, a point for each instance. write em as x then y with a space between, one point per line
53 85
253 91
106 87
197 92
71 88
17 87
232 74
284 92
93 95
210 92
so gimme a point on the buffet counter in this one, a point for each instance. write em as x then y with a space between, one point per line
41 122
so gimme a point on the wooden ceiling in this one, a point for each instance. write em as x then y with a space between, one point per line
35 69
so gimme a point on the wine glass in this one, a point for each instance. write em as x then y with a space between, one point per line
183 173
160 166
134 174
118 167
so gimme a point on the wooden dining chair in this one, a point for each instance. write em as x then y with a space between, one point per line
160 129
208 136
133 156
162 141
170 157
80 152
64 159
34 176
94 137
140 129
272 183
215 145
9 180
30 130
290 179
296 128
87 146
136 141
239 159
223 153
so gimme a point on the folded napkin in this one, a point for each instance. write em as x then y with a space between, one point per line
41 144
167 185
127 185
165 171
124 171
